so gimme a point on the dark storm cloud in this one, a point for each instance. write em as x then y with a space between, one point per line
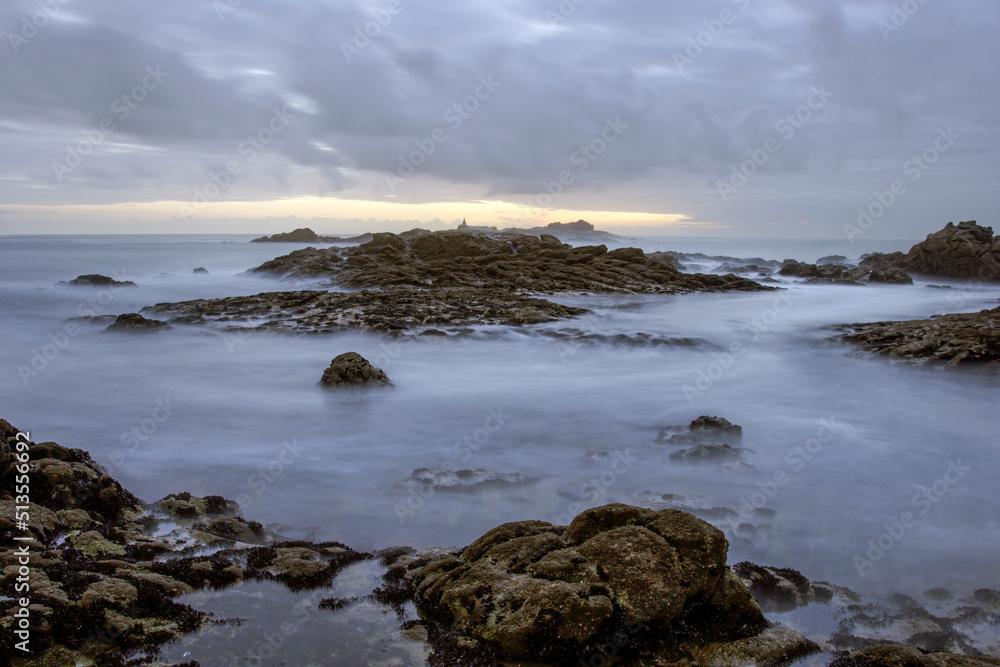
562 71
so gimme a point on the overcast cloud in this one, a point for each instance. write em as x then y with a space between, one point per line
675 115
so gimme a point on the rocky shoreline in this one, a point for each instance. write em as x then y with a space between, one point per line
634 586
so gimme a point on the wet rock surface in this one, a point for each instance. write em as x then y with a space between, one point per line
352 370
504 260
394 309
959 338
136 323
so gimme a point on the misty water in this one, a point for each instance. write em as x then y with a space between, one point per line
569 411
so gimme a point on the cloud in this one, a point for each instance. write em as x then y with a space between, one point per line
698 85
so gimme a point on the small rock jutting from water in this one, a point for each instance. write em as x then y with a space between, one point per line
352 370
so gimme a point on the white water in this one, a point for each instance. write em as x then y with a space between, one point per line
237 403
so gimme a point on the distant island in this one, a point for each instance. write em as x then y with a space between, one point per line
306 235
580 231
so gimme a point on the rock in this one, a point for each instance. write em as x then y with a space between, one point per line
704 430
706 453
838 273
881 260
109 592
463 479
390 310
832 259
351 369
534 590
782 589
961 338
306 235
773 647
938 594
966 251
134 322
494 260
897 655
200 269
716 426
98 280
890 276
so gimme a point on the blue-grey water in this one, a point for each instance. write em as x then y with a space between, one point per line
842 447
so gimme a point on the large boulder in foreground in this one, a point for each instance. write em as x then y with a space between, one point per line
965 251
352 370
644 579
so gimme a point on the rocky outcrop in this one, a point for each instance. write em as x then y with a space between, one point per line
965 337
306 235
201 270
352 370
97 280
838 273
502 260
106 569
389 310
652 580
136 323
703 430
965 251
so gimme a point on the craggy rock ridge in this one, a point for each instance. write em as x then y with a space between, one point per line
965 251
390 310
306 235
503 260
652 582
838 273
964 337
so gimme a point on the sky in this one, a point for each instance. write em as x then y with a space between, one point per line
741 118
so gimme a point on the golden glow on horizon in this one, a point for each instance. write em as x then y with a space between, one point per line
482 212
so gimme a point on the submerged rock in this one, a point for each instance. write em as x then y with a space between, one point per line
95 279
134 322
531 590
463 479
708 453
965 337
704 430
351 370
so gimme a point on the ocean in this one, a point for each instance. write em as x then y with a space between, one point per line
560 416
